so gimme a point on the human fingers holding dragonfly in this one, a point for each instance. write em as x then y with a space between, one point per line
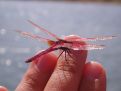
49 74
68 71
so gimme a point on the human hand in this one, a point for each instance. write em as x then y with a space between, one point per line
48 74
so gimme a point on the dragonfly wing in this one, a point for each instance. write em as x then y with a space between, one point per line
99 38
88 47
27 34
44 30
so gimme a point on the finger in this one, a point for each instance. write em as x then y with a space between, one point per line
68 71
3 88
38 73
94 78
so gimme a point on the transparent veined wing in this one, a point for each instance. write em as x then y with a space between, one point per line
88 47
97 38
44 30
27 34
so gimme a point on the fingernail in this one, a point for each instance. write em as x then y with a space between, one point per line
93 70
46 63
96 84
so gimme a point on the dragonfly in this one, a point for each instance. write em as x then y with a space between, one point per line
66 46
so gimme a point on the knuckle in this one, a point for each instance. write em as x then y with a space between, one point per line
68 66
31 79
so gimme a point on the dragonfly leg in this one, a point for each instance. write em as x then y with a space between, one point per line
69 53
60 54
65 55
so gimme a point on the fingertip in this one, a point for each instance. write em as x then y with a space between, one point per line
94 77
2 88
75 38
79 54
93 69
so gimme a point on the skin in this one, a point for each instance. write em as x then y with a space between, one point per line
75 74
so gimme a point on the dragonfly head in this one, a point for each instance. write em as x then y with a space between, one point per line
50 42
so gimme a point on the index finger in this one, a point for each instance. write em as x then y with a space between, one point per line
67 74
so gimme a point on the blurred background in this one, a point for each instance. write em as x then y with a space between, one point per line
86 18
71 0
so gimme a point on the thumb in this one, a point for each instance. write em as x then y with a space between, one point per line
3 88
38 73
